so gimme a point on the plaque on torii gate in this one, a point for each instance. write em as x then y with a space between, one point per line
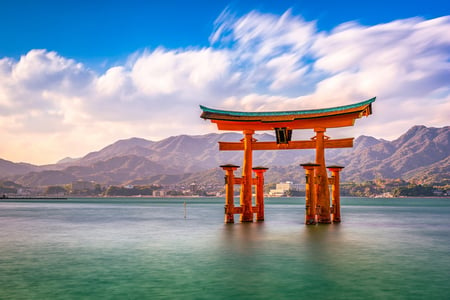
283 123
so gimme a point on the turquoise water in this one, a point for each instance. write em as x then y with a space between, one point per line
146 249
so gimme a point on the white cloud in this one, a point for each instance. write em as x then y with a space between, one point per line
270 50
168 72
51 106
42 70
115 81
404 56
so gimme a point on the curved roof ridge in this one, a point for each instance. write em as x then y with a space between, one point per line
284 113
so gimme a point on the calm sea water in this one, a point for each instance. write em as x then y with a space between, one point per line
146 249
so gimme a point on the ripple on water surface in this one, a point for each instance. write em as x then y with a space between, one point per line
140 249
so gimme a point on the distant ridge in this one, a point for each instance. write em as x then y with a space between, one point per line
422 153
67 160
8 168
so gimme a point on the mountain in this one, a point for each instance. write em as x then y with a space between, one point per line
408 157
8 168
422 153
45 178
132 146
67 160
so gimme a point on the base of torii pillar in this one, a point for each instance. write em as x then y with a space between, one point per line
230 208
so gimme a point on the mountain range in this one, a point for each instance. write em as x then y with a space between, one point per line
421 154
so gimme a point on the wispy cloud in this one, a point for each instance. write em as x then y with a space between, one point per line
51 106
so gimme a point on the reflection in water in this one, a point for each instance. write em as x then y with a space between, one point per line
148 250
243 238
301 261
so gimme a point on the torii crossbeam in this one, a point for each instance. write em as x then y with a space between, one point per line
284 122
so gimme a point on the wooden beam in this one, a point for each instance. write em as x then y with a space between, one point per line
237 180
239 146
326 122
237 210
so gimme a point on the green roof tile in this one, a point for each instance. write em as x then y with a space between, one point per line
284 113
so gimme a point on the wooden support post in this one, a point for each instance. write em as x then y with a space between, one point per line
259 192
323 193
229 192
246 187
335 193
310 193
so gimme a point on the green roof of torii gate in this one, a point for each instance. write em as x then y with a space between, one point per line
207 111
297 119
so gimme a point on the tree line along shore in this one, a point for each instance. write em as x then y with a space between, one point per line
375 188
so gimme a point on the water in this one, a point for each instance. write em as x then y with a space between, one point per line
146 249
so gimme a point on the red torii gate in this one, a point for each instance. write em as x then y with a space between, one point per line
283 122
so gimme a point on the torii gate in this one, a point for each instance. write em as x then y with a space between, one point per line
283 122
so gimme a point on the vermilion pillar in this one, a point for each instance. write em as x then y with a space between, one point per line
229 192
259 192
335 193
310 193
246 187
323 194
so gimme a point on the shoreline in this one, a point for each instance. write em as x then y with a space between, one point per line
187 197
32 198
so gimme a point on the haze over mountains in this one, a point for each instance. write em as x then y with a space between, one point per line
422 153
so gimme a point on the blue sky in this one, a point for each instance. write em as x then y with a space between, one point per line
95 31
78 75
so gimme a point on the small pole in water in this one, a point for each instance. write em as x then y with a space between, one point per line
185 209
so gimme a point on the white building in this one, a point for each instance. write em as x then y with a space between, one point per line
159 193
282 188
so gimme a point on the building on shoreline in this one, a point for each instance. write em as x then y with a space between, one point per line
282 189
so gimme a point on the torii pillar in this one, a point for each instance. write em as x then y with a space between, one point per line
259 192
310 193
335 193
246 184
323 193
229 192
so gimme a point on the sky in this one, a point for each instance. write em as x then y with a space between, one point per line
76 76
